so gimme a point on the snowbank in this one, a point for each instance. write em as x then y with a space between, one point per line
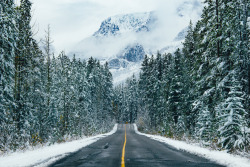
220 157
44 156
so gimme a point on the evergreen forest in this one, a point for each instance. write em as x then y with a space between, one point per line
201 92
43 98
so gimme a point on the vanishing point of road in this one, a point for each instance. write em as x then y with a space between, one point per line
126 148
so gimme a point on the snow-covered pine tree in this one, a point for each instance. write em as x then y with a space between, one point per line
23 59
208 53
100 113
159 89
132 97
166 83
35 93
92 113
152 92
8 37
204 125
55 99
63 93
232 116
176 88
143 85
45 117
75 81
107 86
84 98
239 26
188 53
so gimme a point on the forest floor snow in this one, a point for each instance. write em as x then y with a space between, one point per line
219 157
44 156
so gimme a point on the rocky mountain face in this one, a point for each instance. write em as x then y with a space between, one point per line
133 53
120 24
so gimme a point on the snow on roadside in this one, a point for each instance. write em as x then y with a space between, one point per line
46 155
220 157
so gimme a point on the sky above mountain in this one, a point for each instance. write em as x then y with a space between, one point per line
73 20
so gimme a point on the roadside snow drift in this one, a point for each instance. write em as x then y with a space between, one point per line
46 155
220 157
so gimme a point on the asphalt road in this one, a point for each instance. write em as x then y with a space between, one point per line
140 151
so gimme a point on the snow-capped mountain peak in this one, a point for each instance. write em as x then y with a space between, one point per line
123 40
120 24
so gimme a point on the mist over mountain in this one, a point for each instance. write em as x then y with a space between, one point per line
123 40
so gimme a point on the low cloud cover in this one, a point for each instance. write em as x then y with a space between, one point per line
73 20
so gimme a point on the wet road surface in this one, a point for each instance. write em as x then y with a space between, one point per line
139 151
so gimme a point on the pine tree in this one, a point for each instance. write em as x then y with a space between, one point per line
55 97
23 59
8 37
132 98
166 83
144 84
84 101
35 93
108 94
232 116
188 53
176 88
47 42
203 129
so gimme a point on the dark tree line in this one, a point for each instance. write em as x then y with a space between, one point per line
43 98
125 103
201 91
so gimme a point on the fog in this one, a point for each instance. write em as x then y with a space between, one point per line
72 21
170 21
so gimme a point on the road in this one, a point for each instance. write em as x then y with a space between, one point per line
137 151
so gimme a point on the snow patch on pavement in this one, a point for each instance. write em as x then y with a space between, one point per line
44 156
220 157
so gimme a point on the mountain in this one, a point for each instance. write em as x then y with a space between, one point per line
118 35
120 24
132 53
124 40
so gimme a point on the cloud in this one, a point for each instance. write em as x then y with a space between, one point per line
73 20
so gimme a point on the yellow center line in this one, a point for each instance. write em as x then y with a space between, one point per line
123 149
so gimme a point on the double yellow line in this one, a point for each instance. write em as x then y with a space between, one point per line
123 149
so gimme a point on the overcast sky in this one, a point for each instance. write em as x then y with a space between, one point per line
73 20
